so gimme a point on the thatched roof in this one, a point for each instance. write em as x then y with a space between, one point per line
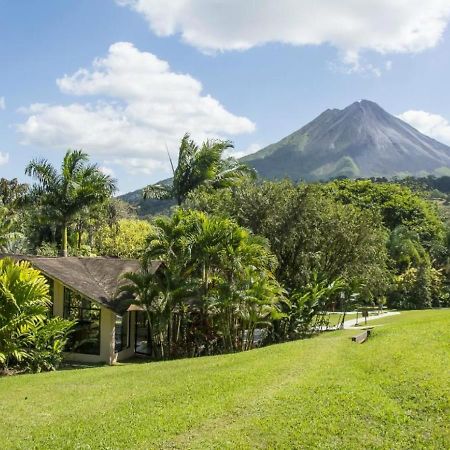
97 278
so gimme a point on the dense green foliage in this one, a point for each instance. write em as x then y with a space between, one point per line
29 339
12 196
6 226
12 193
397 204
215 289
62 196
307 230
367 234
246 262
389 393
125 238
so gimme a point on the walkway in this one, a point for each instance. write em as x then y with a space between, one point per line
361 321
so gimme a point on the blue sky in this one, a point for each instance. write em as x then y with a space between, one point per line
161 71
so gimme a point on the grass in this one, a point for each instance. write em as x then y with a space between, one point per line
336 317
327 392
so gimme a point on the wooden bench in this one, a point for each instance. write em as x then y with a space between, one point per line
362 337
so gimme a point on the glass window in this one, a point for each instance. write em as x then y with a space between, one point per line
122 332
85 337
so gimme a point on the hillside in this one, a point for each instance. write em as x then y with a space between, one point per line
362 140
327 392
146 207
149 206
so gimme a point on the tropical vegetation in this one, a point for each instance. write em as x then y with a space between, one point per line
216 288
245 262
199 166
123 238
63 195
30 339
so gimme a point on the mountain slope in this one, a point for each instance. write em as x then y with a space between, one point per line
362 140
149 207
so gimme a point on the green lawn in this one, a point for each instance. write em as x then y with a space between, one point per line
327 392
335 318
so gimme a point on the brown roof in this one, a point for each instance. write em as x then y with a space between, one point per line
97 278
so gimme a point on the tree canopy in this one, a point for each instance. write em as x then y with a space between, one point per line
62 195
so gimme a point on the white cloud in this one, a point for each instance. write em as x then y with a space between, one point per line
2 103
432 125
145 108
107 171
4 158
385 26
236 153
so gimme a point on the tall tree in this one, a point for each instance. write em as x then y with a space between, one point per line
199 165
12 192
63 195
230 272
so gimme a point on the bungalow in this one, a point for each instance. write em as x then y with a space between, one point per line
109 327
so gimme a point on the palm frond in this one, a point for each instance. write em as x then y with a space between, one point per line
73 162
43 171
157 192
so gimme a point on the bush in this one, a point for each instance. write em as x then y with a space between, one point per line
47 249
29 339
417 288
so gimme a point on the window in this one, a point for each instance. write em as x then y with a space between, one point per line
122 332
85 337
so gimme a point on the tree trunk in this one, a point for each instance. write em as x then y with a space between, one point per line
150 334
64 240
161 344
79 236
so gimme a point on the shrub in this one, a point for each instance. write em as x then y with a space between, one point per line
47 249
29 339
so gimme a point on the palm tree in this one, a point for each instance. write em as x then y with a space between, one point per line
199 166
229 272
160 294
63 195
146 288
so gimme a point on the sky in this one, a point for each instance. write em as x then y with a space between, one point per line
123 80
